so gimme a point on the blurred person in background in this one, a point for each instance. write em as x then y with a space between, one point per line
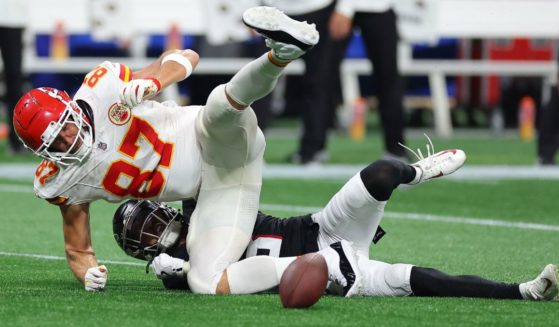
311 95
377 21
548 135
548 131
12 24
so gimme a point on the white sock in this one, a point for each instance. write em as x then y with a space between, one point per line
523 293
254 81
384 279
418 173
256 274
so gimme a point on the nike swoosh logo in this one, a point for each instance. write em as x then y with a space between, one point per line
548 284
439 175
446 151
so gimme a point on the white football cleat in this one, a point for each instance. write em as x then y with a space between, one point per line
544 287
342 267
288 38
436 164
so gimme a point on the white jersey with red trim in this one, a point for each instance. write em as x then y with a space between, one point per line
148 152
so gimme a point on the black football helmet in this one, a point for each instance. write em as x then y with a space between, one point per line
144 229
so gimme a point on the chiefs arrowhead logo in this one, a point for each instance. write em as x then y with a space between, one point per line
119 114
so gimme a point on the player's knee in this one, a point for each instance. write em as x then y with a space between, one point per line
381 178
201 283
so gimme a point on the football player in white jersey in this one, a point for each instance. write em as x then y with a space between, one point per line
112 142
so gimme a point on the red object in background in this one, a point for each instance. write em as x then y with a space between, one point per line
174 38
520 49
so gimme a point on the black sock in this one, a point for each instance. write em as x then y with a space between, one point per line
431 282
383 176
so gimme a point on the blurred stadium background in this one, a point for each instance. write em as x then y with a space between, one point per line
472 68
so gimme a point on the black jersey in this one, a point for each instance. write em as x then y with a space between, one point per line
286 237
272 236
278 237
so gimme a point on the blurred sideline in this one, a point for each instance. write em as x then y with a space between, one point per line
26 171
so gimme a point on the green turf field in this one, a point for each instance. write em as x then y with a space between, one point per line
44 292
462 227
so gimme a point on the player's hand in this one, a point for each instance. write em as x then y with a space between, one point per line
339 26
165 266
137 90
96 278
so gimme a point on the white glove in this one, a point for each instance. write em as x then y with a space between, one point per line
96 278
165 266
137 90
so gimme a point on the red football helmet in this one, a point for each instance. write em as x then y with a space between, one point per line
40 115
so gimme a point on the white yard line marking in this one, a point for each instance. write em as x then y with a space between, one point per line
304 209
429 217
26 171
15 188
53 257
388 214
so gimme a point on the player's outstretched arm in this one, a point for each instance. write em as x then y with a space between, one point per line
171 67
79 251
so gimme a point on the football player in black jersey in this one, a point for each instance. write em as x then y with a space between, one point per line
155 232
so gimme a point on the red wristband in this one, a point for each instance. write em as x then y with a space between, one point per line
157 83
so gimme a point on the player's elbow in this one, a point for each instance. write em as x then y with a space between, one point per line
192 56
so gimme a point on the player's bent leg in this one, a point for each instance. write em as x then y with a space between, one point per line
354 213
229 138
211 253
254 81
222 223
383 176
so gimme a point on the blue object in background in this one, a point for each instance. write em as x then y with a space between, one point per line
83 45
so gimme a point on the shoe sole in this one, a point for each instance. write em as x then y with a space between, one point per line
274 24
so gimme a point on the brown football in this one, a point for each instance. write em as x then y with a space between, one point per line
304 281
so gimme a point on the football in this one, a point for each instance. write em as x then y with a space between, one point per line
304 281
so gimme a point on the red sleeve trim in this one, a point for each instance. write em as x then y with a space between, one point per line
125 73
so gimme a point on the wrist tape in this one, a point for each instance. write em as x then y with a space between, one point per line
181 60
